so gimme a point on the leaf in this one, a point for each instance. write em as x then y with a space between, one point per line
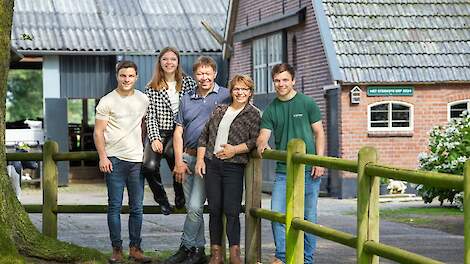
26 36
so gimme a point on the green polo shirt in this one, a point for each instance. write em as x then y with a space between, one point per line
291 119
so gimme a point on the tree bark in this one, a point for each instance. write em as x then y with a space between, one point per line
18 236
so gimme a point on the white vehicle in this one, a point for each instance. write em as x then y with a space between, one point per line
32 136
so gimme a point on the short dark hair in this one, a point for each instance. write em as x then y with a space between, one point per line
126 64
282 67
204 61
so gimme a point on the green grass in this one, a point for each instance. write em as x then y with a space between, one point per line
435 211
410 220
446 219
418 216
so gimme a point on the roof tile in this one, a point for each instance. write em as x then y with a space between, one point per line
401 40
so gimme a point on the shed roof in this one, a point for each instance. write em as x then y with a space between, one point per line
397 40
116 26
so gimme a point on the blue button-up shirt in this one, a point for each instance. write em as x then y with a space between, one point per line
195 110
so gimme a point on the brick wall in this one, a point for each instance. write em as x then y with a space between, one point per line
240 61
312 67
249 13
312 72
398 149
311 63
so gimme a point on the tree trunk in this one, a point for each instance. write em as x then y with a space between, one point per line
18 236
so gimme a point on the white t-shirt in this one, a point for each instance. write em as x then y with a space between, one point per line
224 128
174 96
123 134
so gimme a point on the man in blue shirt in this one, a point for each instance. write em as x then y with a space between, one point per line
195 109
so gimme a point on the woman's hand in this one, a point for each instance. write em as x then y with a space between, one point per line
200 168
157 146
227 152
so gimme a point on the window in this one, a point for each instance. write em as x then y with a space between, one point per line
455 109
390 116
267 52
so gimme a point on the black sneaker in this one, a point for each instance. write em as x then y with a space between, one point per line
196 256
181 255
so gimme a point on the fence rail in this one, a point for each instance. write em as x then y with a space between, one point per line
49 207
366 242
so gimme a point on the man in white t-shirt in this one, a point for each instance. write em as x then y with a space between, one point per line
118 140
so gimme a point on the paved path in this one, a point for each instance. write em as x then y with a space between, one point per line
163 232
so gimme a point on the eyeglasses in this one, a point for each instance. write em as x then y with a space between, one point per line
241 89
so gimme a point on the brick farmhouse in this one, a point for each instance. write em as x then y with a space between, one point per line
383 72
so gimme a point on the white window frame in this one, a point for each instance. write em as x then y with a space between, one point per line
259 65
449 105
389 127
266 52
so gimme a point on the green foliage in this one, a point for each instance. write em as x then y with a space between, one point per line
384 180
26 36
24 95
449 147
75 111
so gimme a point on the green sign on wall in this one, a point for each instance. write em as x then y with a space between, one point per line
390 91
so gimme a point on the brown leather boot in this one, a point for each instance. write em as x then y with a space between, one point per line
117 255
216 255
137 255
235 255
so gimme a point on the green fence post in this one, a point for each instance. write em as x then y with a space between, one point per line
295 188
253 176
367 206
466 206
49 190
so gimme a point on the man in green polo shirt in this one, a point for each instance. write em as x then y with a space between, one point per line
292 115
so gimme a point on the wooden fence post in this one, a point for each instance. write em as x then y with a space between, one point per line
466 204
253 180
367 206
49 190
295 189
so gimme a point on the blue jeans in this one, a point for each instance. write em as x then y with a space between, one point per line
278 204
128 174
195 195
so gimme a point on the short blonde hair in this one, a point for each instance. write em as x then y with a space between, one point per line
244 79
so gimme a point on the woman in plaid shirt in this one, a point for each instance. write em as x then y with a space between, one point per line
164 90
223 149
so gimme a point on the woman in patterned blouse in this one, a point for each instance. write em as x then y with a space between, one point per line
164 90
223 149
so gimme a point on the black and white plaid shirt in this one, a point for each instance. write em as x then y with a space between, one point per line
159 113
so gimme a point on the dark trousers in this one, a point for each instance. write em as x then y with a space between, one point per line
224 190
151 167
